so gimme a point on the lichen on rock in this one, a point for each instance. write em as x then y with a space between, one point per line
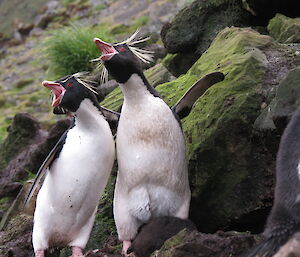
285 29
196 244
218 131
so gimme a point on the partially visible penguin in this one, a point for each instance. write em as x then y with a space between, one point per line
77 171
152 236
152 179
284 219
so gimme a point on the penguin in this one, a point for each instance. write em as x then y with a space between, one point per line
163 228
284 219
77 170
152 179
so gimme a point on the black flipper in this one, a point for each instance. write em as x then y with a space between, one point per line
54 153
184 106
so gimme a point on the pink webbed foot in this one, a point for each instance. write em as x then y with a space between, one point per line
76 252
39 253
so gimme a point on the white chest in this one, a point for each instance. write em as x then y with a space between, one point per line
149 141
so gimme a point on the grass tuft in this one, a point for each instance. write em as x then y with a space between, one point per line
69 50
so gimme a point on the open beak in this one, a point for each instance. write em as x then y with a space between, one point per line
58 91
108 51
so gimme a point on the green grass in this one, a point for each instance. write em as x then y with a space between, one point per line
141 21
69 50
99 7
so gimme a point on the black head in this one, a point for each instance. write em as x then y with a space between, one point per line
68 93
119 60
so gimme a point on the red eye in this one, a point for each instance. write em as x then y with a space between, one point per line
69 84
122 49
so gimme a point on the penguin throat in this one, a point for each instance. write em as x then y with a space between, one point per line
137 86
87 114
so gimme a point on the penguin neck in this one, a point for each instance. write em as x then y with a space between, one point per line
136 88
87 113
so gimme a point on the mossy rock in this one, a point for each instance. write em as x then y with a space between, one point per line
158 74
196 244
15 240
218 132
179 64
195 26
285 29
285 102
21 132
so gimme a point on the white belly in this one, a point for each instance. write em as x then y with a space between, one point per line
150 146
69 196
152 178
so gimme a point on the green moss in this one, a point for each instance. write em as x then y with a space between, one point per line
113 100
120 29
66 2
2 101
75 2
175 241
167 59
218 129
158 74
4 123
99 7
285 29
141 21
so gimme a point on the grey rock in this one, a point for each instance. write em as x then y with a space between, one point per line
285 102
196 244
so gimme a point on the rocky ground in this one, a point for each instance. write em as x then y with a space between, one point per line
232 134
